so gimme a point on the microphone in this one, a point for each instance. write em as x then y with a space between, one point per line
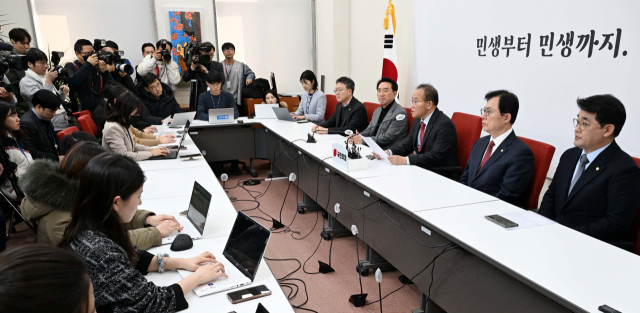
292 177
224 178
310 137
6 46
358 300
325 268
379 280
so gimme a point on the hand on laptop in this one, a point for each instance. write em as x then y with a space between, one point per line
150 130
155 220
159 151
167 139
193 264
167 227
209 272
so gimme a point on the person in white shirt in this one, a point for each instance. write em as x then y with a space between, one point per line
160 63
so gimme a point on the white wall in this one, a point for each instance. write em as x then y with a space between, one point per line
17 14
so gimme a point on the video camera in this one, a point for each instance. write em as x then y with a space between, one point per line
14 61
166 55
63 73
193 54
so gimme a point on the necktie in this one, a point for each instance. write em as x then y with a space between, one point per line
157 70
583 163
487 154
422 127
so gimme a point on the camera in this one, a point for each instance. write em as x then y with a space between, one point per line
107 57
120 64
14 61
193 54
166 55
98 44
63 73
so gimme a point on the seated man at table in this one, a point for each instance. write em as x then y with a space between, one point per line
389 122
595 187
349 114
158 99
433 140
500 164
215 98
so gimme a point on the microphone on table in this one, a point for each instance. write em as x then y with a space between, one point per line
379 280
310 137
358 300
277 224
224 178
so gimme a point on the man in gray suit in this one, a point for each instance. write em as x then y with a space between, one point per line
389 123
236 73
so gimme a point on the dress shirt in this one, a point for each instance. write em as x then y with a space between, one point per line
426 123
591 156
498 140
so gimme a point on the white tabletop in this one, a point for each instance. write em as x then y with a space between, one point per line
218 302
585 271
419 190
178 182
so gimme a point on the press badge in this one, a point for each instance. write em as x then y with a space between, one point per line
228 84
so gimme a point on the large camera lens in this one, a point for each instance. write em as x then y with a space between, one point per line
125 68
205 58
166 55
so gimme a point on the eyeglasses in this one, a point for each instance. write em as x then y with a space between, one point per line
486 112
156 87
338 90
41 62
414 102
581 125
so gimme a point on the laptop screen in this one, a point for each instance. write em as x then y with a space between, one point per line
246 245
199 207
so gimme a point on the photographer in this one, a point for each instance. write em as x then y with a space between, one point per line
199 70
39 76
21 40
160 63
119 76
158 100
90 75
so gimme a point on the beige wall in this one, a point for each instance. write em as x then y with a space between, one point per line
350 42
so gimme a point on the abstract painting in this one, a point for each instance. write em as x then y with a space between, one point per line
184 28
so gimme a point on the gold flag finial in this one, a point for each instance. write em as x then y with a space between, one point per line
391 10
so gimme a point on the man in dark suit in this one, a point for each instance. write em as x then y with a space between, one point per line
500 164
433 136
349 114
42 141
595 187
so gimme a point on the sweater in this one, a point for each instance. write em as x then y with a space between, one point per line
143 138
205 103
116 138
118 286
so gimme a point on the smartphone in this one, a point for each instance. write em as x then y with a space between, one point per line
501 221
190 156
303 121
248 294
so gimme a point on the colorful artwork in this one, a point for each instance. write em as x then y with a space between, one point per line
184 27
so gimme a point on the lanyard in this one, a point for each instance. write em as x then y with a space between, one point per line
230 68
309 98
219 97
49 132
21 150
128 133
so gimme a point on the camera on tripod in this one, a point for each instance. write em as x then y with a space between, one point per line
166 55
193 53
63 73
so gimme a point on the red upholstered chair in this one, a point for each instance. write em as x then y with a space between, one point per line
82 113
370 106
542 155
67 131
410 118
332 101
468 128
87 124
635 225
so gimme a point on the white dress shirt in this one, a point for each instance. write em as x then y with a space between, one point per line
426 123
591 157
497 141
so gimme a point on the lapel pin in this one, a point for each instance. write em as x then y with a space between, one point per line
502 150
597 168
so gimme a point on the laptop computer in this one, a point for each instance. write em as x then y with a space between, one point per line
283 114
180 119
241 256
196 217
164 127
264 111
175 150
219 116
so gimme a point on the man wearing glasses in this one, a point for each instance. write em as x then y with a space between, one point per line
89 77
500 164
349 114
595 189
433 141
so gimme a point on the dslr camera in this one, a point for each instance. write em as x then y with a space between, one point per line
193 54
63 73
120 62
166 55
14 61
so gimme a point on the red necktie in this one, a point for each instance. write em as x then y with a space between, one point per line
487 154
157 70
422 127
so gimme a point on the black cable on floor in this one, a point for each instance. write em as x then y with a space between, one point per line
284 282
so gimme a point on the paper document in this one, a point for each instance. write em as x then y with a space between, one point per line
374 147
526 219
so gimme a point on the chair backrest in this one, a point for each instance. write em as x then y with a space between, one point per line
81 113
410 118
332 101
370 106
468 128
635 225
542 155
87 124
67 131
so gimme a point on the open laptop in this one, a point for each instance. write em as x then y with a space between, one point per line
264 111
164 127
220 116
175 150
180 119
241 256
283 114
196 217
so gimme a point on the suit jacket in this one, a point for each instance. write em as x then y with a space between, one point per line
205 104
389 130
317 106
603 201
116 138
353 117
439 145
507 173
39 140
